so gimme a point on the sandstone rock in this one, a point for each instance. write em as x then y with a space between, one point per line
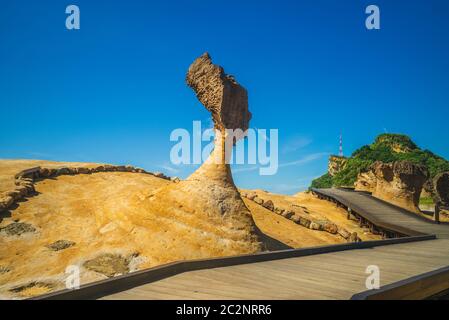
23 181
295 218
288 214
220 94
60 245
366 181
251 196
330 227
44 172
4 269
160 175
108 168
269 205
336 164
175 179
344 233
353 237
108 264
278 210
316 226
100 169
63 171
52 172
33 287
441 185
210 192
28 173
17 228
258 200
305 222
83 170
14 194
7 201
428 190
399 183
23 191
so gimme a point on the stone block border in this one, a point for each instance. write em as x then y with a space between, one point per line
306 222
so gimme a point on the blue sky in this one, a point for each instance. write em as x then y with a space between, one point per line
115 89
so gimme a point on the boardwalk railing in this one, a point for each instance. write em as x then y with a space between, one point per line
102 288
393 234
418 287
388 230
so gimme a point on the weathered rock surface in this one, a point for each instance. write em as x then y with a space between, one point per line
428 190
17 229
209 193
366 181
399 183
33 288
108 264
441 186
220 94
269 205
4 269
336 163
60 245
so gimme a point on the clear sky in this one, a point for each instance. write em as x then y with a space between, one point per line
115 89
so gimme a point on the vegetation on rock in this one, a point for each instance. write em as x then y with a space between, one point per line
386 148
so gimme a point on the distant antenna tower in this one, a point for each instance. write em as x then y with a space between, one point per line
340 153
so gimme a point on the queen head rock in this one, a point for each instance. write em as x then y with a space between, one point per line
208 201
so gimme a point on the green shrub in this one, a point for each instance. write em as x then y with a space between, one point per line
387 148
323 182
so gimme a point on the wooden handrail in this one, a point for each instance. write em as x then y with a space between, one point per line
106 287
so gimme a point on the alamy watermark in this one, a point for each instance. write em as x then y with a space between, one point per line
72 22
73 277
372 22
260 147
373 280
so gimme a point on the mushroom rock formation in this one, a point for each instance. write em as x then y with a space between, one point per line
399 183
441 189
209 194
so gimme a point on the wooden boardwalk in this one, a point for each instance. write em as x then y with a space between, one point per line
337 275
384 213
416 269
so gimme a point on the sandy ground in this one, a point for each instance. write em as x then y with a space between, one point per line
106 217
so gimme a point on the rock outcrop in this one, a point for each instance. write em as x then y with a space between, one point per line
441 189
209 193
399 183
336 163
428 190
220 93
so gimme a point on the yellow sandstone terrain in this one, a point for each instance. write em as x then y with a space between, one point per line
109 220
104 223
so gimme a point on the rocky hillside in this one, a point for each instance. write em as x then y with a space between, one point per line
387 148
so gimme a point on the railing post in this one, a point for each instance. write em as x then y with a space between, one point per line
436 215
